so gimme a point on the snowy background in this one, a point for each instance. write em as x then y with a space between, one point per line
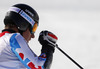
75 22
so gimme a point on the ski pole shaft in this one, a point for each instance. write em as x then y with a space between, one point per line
69 57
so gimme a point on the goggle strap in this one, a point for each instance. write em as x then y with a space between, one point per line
23 14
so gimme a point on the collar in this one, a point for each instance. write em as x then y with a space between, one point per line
8 30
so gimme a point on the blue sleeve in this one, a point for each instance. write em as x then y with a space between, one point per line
28 58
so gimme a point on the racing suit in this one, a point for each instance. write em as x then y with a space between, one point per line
16 54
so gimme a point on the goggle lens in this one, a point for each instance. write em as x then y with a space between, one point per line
34 27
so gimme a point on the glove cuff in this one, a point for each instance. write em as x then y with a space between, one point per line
47 49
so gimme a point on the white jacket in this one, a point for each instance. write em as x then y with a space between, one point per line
16 54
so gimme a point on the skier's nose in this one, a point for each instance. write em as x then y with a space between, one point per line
32 36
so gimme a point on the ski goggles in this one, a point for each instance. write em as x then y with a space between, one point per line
34 28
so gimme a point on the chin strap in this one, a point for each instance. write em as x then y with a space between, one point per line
21 32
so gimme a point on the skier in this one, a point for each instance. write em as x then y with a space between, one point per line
21 22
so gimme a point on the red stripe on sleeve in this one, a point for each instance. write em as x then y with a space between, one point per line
3 33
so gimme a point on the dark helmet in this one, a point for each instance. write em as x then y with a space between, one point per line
22 15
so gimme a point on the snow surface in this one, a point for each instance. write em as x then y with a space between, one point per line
75 22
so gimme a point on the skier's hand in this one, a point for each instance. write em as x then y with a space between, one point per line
47 40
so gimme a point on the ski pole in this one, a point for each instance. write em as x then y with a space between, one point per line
69 57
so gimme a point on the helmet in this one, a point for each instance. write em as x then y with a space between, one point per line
22 16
